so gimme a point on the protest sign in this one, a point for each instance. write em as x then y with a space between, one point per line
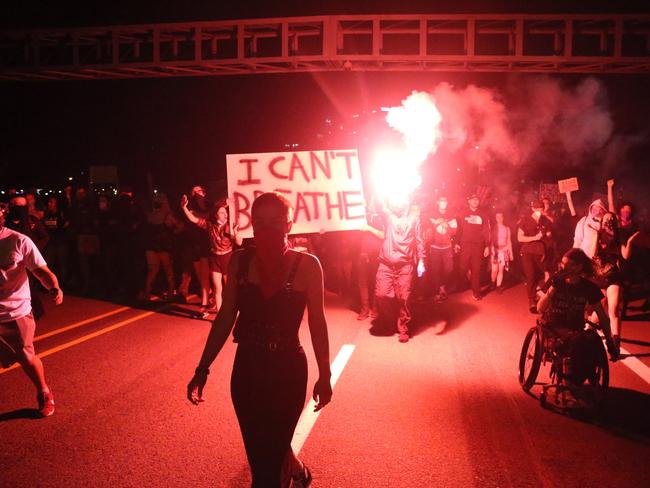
568 185
324 187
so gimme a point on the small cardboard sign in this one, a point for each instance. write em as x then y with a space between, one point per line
568 185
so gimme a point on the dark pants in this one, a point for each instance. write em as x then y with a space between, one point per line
471 257
533 271
268 391
366 273
441 264
395 282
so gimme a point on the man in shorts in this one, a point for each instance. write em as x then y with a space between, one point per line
18 253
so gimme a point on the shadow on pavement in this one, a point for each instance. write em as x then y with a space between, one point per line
442 317
627 414
21 413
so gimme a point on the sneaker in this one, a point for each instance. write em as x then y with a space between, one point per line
364 314
374 313
499 290
476 297
45 403
403 338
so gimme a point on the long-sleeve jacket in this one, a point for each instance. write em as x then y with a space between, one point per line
403 241
473 229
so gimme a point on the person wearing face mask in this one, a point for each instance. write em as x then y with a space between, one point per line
402 248
56 251
563 306
265 299
531 231
586 230
18 254
222 239
439 228
472 241
21 221
196 250
160 227
609 251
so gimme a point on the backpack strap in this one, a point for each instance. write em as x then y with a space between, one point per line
292 271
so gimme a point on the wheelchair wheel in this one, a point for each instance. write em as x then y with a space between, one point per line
530 359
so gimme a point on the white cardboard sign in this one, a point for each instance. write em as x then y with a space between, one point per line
324 187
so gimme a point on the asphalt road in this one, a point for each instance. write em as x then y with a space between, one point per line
445 409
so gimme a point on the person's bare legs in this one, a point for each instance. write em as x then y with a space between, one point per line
202 273
613 293
153 266
33 367
166 262
218 288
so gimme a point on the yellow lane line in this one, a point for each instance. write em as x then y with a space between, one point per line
92 335
80 323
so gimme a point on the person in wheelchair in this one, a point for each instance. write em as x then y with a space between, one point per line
563 306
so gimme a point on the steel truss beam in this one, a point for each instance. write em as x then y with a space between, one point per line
486 42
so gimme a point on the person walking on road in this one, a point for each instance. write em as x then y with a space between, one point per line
264 300
18 253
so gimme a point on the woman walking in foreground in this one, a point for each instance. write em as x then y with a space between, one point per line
264 301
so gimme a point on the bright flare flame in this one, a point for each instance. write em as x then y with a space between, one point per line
395 175
418 119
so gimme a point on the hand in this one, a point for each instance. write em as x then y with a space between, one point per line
421 268
486 251
235 228
57 295
538 236
456 248
184 201
633 237
322 393
195 388
610 183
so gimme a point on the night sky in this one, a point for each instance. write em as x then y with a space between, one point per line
180 129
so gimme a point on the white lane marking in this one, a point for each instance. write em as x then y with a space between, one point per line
636 365
308 417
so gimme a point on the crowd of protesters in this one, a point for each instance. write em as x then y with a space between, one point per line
125 247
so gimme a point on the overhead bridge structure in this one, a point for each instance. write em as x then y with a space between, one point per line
486 42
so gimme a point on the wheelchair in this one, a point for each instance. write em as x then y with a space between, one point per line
572 384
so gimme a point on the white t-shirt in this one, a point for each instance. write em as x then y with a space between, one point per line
18 253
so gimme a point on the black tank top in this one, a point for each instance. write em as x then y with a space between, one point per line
271 323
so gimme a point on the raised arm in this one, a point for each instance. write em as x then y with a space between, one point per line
318 329
188 213
219 333
610 195
626 248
